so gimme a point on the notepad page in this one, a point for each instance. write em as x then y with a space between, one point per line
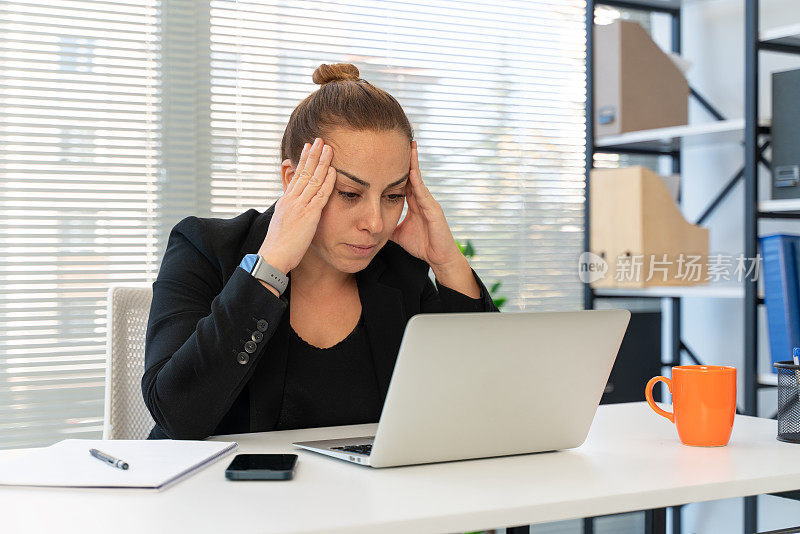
152 463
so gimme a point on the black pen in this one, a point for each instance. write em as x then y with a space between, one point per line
110 460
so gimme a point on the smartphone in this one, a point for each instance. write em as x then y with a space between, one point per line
261 467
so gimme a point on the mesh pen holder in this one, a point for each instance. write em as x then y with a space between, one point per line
788 401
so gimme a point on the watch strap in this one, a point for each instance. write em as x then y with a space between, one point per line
261 270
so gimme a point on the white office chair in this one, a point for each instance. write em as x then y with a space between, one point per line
126 416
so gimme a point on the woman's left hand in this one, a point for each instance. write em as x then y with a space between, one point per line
424 232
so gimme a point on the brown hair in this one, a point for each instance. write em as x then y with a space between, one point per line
344 100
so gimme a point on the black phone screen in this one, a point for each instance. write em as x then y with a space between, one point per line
263 462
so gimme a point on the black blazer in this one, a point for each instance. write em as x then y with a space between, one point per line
199 380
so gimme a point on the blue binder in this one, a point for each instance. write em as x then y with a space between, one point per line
781 258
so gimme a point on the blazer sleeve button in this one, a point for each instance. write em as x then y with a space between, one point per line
262 325
243 358
250 347
257 336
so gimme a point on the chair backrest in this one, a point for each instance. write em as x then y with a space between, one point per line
126 416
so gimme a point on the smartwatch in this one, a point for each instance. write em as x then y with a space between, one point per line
261 270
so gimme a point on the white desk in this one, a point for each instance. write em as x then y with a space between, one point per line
632 460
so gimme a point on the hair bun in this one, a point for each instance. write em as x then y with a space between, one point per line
334 73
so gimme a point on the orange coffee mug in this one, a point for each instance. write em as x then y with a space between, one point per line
703 403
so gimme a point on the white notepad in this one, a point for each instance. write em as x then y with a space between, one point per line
153 464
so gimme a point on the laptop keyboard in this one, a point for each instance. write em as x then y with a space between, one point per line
359 449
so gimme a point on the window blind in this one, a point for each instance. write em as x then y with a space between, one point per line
495 93
79 185
118 118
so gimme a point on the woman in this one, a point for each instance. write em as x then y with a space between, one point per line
293 318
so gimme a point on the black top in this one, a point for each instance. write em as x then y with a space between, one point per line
331 386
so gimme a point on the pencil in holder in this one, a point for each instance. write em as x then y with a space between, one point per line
788 401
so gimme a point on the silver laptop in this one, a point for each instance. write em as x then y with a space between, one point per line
475 385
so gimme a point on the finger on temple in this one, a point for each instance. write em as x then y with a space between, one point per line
312 160
300 164
304 155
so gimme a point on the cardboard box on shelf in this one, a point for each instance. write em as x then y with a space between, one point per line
637 228
637 86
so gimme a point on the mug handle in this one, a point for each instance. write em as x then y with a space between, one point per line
648 393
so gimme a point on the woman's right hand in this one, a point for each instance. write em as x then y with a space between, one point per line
298 211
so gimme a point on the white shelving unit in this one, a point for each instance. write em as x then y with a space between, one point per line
768 379
783 35
675 137
673 4
720 291
787 205
746 131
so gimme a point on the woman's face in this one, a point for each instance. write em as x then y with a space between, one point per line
367 198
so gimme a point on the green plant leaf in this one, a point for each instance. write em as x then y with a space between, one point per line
468 250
